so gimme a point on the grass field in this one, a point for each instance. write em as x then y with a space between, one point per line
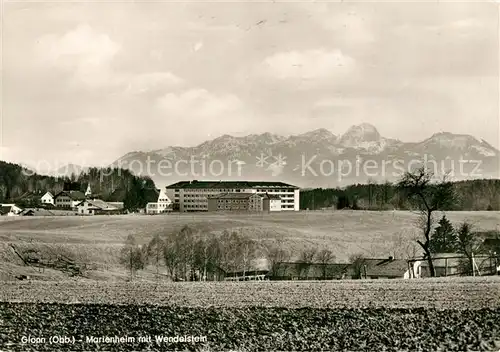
441 314
98 239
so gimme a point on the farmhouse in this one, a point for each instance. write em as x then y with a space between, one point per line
454 264
117 205
445 264
388 268
36 212
47 198
491 241
68 199
160 203
10 210
96 207
29 199
194 195
310 271
367 268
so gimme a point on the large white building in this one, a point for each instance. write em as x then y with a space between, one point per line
161 205
193 195
68 199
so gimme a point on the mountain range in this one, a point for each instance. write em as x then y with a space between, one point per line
317 158
313 159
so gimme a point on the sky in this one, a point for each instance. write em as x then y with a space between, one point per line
87 82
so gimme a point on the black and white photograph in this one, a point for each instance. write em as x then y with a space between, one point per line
242 175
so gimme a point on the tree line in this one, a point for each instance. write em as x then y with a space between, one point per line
427 197
474 195
190 255
109 184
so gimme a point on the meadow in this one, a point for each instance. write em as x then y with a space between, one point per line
439 314
97 240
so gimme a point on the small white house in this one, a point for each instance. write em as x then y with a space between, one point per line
162 205
10 210
48 198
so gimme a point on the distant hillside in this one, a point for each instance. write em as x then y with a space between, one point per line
18 183
317 158
472 195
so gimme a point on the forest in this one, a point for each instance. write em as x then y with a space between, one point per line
24 187
471 195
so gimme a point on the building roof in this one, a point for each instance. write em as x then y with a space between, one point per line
48 193
272 196
442 260
492 234
29 195
60 212
117 205
229 184
98 204
232 196
74 195
492 243
36 212
385 267
246 272
5 209
314 270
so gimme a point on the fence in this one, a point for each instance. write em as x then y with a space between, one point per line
456 265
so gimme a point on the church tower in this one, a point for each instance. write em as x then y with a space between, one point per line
88 192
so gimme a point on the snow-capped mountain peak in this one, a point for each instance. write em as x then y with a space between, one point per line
358 135
313 148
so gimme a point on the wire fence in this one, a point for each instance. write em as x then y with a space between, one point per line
456 265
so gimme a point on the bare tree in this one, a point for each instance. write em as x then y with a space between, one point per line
154 251
216 254
325 257
411 250
370 192
184 247
248 249
306 260
202 255
170 256
397 244
357 262
276 255
468 244
208 256
427 198
132 256
230 251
